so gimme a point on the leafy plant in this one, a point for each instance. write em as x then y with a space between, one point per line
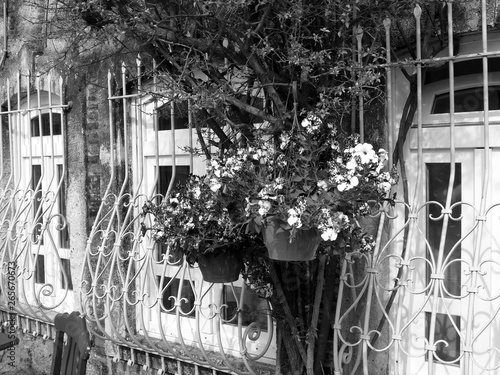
308 177
197 220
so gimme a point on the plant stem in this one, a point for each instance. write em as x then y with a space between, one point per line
288 313
311 337
331 273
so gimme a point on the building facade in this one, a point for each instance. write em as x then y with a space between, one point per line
82 153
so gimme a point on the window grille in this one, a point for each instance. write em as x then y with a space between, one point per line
426 300
145 296
34 241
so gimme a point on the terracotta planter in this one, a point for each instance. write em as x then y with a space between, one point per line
220 266
279 247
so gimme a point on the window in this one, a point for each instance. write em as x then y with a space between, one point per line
438 175
467 100
164 178
40 269
66 270
37 188
47 118
170 293
181 116
36 126
165 175
446 331
253 310
61 200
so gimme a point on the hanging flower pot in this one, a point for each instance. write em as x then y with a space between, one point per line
302 248
220 266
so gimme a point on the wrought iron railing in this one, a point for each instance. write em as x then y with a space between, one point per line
427 299
34 243
143 296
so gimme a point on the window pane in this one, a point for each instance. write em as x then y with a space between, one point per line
36 186
445 331
438 175
40 269
187 295
45 128
61 198
254 310
67 270
181 116
468 100
175 256
181 176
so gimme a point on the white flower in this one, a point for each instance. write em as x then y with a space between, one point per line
354 181
215 185
306 122
343 218
338 178
329 235
366 153
292 220
159 234
322 185
264 207
285 139
311 123
351 164
385 186
343 186
197 192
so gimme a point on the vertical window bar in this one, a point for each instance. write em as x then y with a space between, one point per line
156 129
389 89
418 13
190 125
10 132
172 138
138 127
61 200
359 37
28 105
125 130
37 187
444 254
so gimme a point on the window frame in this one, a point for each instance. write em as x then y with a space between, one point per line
47 152
432 90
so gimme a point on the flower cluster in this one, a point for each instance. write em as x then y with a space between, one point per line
193 219
309 177
359 162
